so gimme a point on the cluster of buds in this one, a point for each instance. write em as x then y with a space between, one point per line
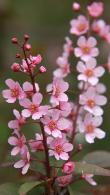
61 119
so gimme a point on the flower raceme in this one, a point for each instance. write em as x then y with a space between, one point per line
63 117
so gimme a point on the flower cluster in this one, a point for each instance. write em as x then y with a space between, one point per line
61 119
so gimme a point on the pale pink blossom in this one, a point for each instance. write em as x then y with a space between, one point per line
18 122
64 180
33 108
24 163
59 148
37 144
57 90
19 144
28 88
90 127
99 87
79 26
68 167
95 9
14 92
54 124
89 72
92 101
86 48
89 179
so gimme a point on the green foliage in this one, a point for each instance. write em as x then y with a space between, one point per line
83 167
26 187
9 189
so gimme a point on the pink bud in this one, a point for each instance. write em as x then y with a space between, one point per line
14 40
15 67
42 69
27 46
64 180
68 167
76 6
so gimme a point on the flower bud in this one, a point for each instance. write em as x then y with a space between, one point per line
64 180
18 55
42 69
76 6
27 46
14 40
15 67
26 37
68 167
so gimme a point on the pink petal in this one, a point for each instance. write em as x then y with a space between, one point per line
78 52
81 67
63 123
15 151
13 141
93 80
92 42
6 93
99 71
10 83
81 41
64 156
37 98
19 164
26 113
67 147
90 138
13 124
25 103
99 133
63 97
25 168
100 100
16 113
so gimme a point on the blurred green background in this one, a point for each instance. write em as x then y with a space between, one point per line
47 23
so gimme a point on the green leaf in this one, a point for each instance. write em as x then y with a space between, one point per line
26 187
9 189
100 158
83 167
72 192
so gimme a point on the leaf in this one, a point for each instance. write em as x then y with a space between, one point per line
71 192
101 158
83 167
26 187
9 189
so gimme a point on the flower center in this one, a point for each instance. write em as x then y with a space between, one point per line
59 149
81 27
14 92
89 128
86 50
52 125
89 72
33 108
91 103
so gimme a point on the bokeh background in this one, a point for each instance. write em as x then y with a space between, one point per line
47 23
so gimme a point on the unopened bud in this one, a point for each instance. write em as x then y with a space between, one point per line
76 6
18 55
26 37
14 40
42 69
15 67
27 46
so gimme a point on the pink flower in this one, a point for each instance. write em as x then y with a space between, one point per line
18 143
59 148
64 180
86 48
36 59
37 144
24 163
18 122
28 88
58 87
79 26
88 178
68 167
92 101
14 92
95 9
54 124
33 107
89 72
42 69
90 128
